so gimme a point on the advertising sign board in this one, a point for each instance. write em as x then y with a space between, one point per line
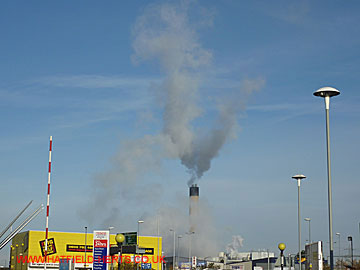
130 238
51 248
100 249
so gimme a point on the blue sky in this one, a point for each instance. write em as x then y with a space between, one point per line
72 70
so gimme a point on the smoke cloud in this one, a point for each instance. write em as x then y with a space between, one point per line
165 34
232 249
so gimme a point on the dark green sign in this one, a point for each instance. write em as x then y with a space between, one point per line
130 238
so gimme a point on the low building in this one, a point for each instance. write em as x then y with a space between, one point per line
27 251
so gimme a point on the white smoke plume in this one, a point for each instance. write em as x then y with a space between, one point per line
165 34
232 249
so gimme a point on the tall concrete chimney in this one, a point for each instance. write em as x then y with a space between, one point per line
193 205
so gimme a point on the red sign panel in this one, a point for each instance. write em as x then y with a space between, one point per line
100 243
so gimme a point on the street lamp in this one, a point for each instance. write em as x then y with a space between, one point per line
138 231
338 234
327 93
178 255
109 229
309 220
138 240
174 254
351 250
282 247
298 178
119 238
190 233
290 261
85 246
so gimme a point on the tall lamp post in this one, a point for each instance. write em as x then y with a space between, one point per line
190 262
174 249
309 220
138 231
351 250
290 262
85 247
109 229
298 178
138 237
178 255
327 93
338 234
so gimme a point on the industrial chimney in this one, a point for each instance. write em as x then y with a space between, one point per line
193 205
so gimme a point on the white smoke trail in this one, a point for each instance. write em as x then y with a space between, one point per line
232 249
164 33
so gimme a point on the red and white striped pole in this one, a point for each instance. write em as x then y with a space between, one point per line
47 204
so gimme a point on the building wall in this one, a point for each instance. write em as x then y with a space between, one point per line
240 266
263 263
64 244
19 247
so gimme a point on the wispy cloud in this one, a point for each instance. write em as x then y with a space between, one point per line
77 100
108 109
95 81
40 92
281 112
291 12
273 107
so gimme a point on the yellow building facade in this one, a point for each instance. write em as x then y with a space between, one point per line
27 251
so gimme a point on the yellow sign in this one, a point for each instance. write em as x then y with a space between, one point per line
51 249
79 248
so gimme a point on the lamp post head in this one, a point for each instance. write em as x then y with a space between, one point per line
119 238
337 233
299 177
140 221
282 246
307 219
326 92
